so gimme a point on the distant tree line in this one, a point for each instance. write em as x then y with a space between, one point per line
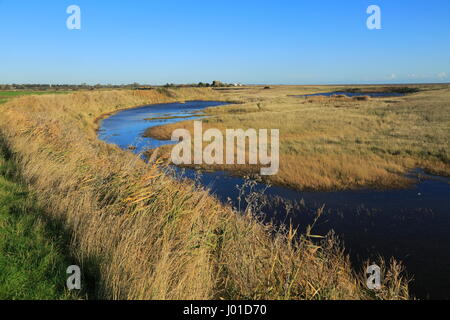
215 84
84 86
64 87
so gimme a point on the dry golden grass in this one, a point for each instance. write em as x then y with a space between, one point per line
340 142
152 237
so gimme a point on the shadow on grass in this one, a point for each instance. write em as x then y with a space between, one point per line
35 250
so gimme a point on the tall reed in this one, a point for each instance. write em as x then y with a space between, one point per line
152 237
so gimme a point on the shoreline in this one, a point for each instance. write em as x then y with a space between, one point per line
101 117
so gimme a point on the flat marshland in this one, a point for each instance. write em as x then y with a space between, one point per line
338 142
153 237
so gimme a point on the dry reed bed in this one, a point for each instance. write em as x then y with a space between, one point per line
339 143
152 237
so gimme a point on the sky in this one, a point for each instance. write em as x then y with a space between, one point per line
236 41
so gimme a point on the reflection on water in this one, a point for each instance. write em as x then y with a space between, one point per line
126 128
411 225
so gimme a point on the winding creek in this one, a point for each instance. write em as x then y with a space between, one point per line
411 225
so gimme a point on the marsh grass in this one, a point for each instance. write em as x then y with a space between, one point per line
150 236
339 143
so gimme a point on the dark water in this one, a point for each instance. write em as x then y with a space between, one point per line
411 225
354 94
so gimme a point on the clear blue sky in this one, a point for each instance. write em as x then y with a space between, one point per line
278 42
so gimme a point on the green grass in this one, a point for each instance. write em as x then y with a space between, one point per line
32 259
6 95
10 94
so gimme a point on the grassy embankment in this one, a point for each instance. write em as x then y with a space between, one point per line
33 257
339 142
153 237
